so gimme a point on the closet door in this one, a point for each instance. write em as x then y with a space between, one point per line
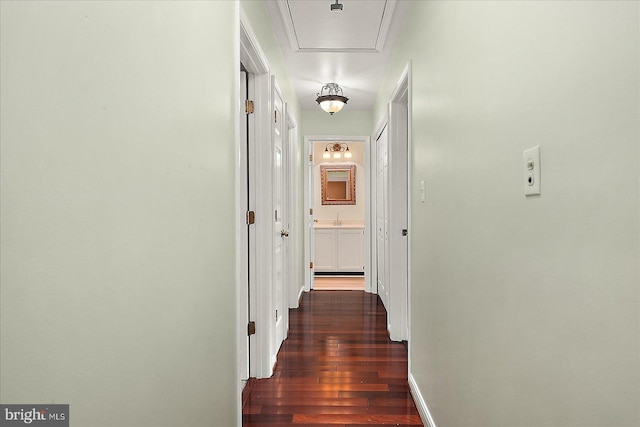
280 175
382 218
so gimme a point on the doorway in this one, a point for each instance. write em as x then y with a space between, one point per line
337 237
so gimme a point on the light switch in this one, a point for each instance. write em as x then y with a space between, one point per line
531 165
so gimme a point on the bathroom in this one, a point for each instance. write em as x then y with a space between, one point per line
339 214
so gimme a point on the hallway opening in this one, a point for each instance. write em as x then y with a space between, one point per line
337 231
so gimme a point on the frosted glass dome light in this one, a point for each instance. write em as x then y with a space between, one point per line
331 98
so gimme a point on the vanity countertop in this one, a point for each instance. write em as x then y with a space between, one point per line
342 224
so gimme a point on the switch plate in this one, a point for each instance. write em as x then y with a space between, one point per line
531 165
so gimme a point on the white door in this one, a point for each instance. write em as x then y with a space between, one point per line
279 174
382 218
398 203
292 284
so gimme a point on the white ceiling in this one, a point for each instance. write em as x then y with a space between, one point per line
351 47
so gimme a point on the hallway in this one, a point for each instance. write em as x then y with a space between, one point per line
337 367
145 224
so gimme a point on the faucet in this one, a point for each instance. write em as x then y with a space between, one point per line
337 221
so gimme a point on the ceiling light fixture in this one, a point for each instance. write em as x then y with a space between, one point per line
336 6
337 148
331 99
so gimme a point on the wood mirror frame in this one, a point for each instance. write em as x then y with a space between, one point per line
338 184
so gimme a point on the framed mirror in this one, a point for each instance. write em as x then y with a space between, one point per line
338 184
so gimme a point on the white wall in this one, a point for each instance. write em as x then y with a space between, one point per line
117 233
346 122
525 311
347 212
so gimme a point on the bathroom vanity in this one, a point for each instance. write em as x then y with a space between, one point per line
339 248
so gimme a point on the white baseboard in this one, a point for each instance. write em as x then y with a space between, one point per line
300 295
425 415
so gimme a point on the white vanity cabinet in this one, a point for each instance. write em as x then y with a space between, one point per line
325 253
339 249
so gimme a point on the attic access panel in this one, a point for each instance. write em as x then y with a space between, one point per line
361 26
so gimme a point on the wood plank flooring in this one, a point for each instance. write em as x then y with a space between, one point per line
337 367
338 283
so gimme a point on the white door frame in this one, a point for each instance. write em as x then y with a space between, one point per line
261 186
309 203
406 80
398 120
399 205
242 230
309 232
294 287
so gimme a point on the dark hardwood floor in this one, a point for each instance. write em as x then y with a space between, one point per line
337 367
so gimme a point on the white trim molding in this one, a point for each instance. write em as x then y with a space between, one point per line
242 346
399 207
423 410
250 53
294 287
260 182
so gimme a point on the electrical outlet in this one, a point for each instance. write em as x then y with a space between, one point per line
532 175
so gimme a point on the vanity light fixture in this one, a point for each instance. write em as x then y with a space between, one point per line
337 148
331 98
336 6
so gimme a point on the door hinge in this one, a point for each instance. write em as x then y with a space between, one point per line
248 106
311 211
275 116
251 328
405 232
311 157
311 265
276 315
251 217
